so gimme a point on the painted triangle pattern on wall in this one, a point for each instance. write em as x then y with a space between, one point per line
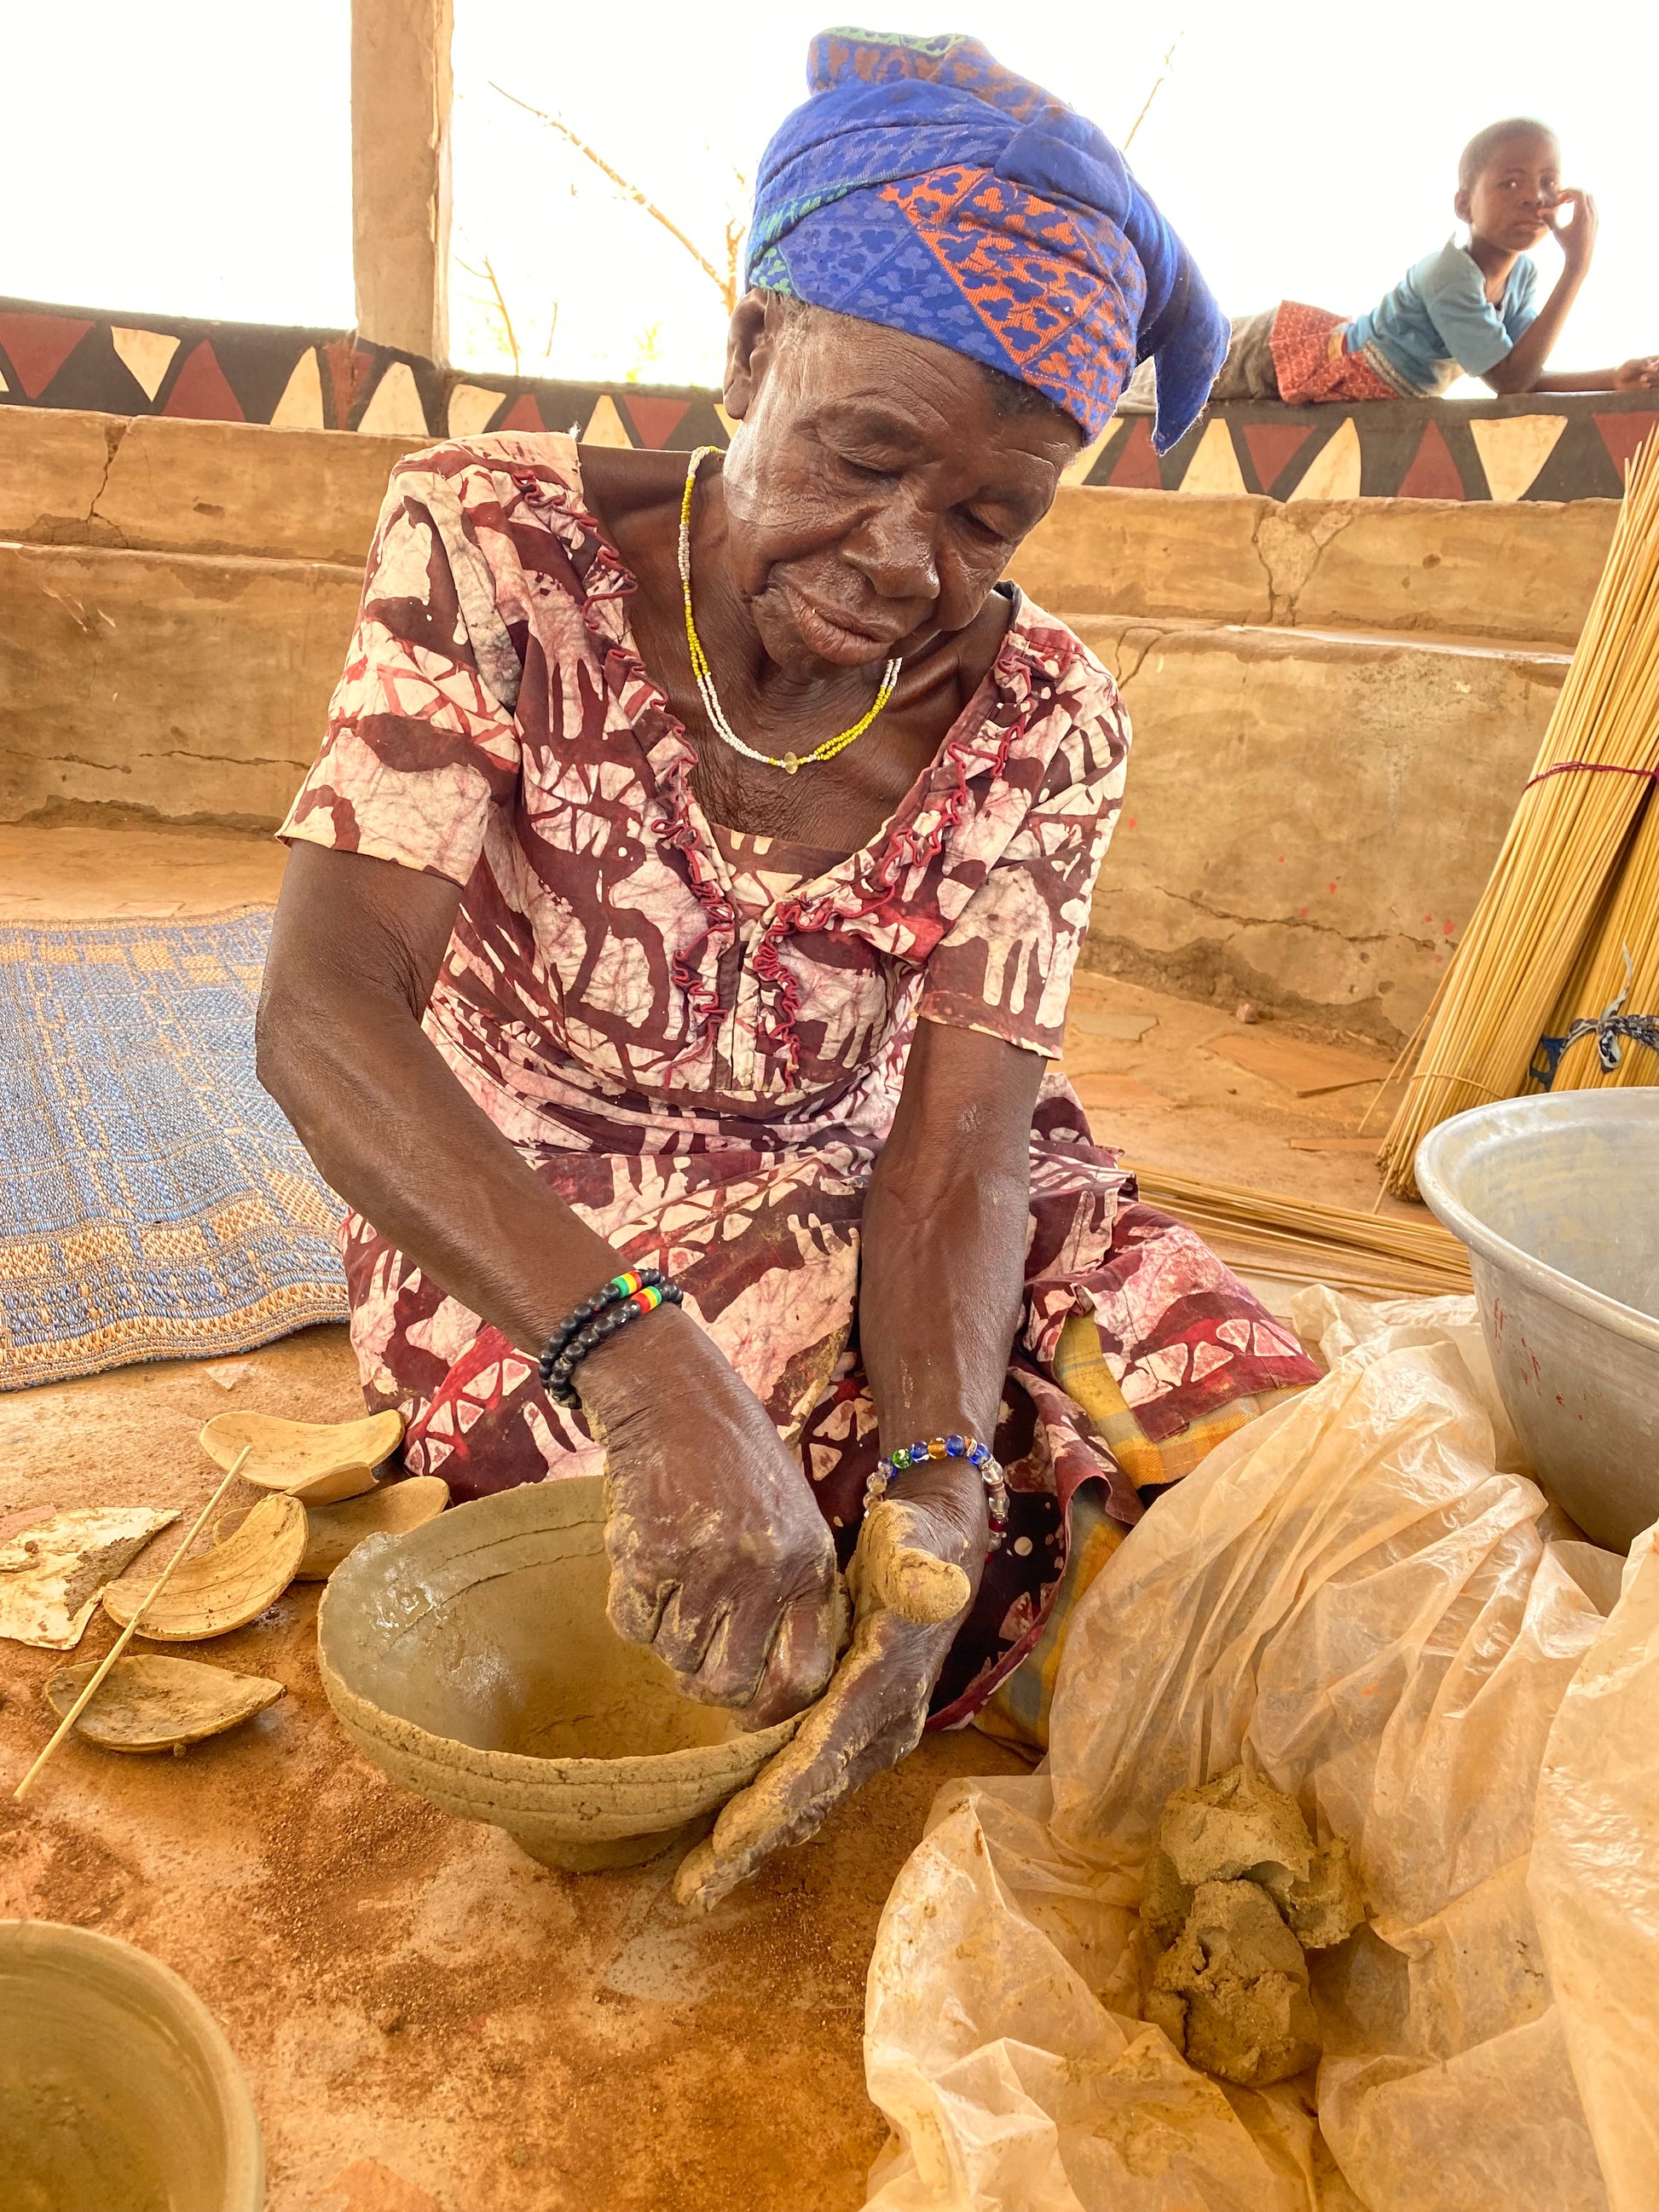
1553 446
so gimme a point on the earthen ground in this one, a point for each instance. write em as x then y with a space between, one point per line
433 2023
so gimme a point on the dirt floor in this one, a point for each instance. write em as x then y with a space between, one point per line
430 2020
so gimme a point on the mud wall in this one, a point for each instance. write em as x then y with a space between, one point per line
1335 702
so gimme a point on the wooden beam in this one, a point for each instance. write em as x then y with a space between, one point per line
400 109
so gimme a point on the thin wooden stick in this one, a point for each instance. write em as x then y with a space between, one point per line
124 1637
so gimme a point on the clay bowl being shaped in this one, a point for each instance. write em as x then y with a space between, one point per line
472 1660
316 1462
118 2092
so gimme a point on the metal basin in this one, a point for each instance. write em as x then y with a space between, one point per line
1558 1200
472 1660
118 2092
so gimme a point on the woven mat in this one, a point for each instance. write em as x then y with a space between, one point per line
155 1204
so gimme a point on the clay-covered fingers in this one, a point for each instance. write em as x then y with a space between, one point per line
871 1716
809 1638
720 1561
910 1584
767 1663
898 1566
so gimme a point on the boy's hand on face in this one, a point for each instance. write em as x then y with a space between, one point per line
1639 375
1577 238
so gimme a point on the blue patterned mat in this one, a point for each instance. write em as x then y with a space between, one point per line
153 1202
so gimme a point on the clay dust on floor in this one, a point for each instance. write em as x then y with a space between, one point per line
410 1993
426 2015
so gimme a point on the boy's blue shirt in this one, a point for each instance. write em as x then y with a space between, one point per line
1437 321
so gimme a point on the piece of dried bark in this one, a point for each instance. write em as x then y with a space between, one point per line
51 1573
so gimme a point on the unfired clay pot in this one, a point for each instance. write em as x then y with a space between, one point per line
118 2089
472 1660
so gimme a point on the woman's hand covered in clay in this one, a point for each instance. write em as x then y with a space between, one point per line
912 1576
719 1558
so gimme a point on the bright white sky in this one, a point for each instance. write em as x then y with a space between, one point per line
188 158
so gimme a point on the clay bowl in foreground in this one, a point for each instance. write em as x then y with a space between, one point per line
472 1661
117 2086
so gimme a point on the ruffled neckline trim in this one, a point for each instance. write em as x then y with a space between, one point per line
975 745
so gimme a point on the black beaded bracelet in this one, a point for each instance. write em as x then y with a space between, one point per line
620 1286
617 1316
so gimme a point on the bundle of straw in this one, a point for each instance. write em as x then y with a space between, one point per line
1621 962
1305 1242
1562 855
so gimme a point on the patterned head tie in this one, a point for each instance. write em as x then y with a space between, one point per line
923 186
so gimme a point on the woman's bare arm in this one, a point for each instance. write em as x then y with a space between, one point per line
356 950
720 1558
946 1225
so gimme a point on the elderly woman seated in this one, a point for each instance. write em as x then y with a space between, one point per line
677 941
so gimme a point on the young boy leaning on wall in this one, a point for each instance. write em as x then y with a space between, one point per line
1469 309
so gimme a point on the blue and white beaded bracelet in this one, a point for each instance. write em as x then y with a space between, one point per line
931 1448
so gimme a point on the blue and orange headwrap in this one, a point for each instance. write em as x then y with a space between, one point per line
923 186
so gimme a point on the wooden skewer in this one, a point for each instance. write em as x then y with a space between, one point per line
124 1637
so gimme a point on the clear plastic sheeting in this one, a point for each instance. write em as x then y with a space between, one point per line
1359 1597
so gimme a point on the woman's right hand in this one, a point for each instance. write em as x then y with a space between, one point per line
719 1558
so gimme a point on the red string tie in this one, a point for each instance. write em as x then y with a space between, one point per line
1592 767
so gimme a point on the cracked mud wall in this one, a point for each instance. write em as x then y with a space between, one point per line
1335 703
1310 818
151 484
174 687
175 602
1335 707
1523 570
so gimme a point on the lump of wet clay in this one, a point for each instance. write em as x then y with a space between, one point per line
1231 1991
1237 1829
1327 1907
1235 1888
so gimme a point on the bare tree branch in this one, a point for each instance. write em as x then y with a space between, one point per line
487 275
1146 103
726 285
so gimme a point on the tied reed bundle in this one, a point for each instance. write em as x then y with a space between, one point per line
1301 1239
1620 967
1566 845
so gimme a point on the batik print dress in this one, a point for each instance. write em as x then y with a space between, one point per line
698 1039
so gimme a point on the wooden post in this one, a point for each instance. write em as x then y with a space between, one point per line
400 105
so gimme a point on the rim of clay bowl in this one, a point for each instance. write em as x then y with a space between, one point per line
1454 1142
698 1769
706 1773
51 1944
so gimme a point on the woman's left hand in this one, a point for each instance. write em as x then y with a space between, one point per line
913 1577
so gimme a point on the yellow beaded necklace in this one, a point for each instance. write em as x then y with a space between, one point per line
705 675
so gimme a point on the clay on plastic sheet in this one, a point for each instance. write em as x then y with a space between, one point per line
1353 1599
